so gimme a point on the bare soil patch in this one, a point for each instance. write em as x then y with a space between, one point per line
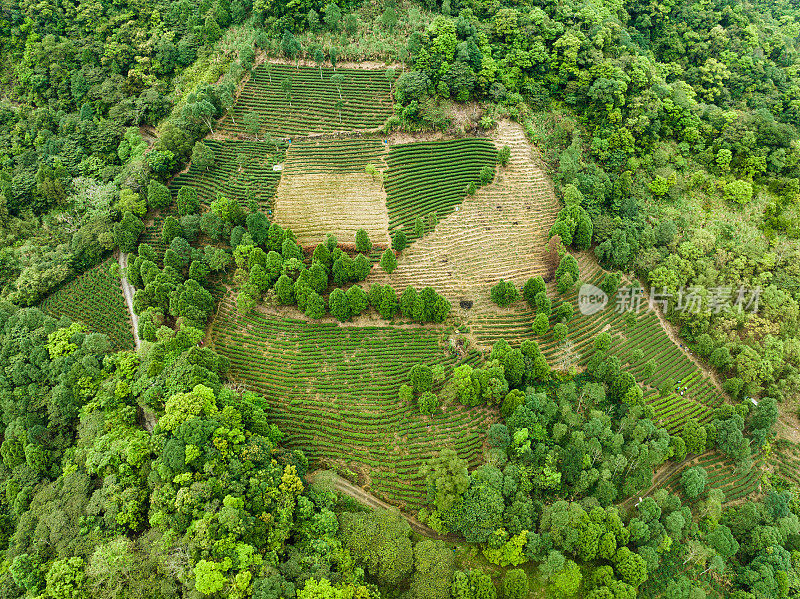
315 204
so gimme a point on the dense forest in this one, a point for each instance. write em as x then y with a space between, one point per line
670 131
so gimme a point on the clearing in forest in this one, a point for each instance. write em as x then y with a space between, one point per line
500 232
325 189
297 101
95 299
241 170
333 391
432 177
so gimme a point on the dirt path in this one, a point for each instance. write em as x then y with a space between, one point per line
128 291
660 477
361 496
672 333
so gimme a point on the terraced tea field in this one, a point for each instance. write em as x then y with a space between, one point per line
500 232
325 189
431 177
309 105
239 166
95 299
647 334
723 475
333 391
786 460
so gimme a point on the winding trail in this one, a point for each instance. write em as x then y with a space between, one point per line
128 291
344 486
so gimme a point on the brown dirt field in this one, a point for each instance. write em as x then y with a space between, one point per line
315 204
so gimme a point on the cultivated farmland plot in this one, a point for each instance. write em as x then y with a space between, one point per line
308 103
672 411
500 232
233 179
325 189
431 177
95 299
333 391
723 475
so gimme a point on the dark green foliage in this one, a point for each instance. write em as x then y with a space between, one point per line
399 241
389 304
170 230
407 300
357 300
211 225
421 378
693 481
388 261
486 175
284 290
158 195
504 293
361 268
574 227
543 304
339 305
127 231
515 583
610 284
363 244
532 288
258 226
428 403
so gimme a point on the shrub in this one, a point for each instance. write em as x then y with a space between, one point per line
504 293
158 195
693 481
560 331
543 305
602 342
515 583
610 283
375 295
532 288
428 403
407 301
419 227
564 312
705 344
487 174
284 289
565 283
357 300
170 230
363 244
315 305
503 155
406 394
388 261
541 324
739 190
339 305
389 304
399 241
421 378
